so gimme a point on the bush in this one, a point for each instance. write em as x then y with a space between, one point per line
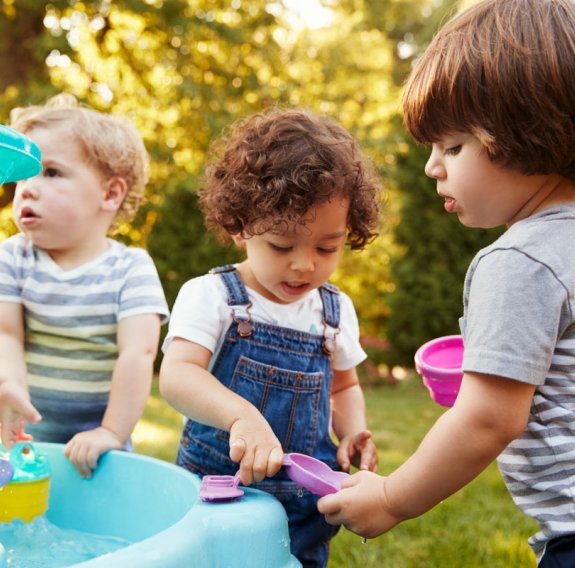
429 274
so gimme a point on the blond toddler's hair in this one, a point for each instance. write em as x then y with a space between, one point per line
111 144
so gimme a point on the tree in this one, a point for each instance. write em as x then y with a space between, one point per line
429 274
184 70
435 250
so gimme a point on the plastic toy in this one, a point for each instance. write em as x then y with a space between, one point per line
19 156
220 487
313 474
307 472
24 483
439 363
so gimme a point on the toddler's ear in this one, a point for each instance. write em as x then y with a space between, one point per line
239 240
115 191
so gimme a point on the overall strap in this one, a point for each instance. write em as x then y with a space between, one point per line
237 294
329 295
330 299
237 298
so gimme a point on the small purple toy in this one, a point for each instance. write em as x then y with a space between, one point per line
6 472
220 487
439 363
307 472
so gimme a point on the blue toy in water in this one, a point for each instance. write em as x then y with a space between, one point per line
19 157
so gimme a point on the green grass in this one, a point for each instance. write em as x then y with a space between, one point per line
478 526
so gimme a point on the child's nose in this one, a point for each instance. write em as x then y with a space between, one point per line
303 262
434 168
28 188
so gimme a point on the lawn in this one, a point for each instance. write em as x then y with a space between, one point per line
477 527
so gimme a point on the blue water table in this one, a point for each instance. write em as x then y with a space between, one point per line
156 506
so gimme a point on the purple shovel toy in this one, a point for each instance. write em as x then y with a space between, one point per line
307 472
312 474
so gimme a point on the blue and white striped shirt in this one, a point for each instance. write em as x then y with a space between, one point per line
71 320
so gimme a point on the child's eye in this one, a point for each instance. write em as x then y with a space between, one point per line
327 250
51 172
453 151
280 248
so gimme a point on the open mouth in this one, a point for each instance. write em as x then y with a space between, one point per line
295 287
28 214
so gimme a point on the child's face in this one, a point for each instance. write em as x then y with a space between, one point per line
284 267
59 209
480 192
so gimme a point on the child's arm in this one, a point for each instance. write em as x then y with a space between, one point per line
489 413
187 385
15 406
349 423
138 338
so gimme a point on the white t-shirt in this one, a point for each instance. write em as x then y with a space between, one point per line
201 314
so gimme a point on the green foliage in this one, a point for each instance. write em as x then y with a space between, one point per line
180 244
183 71
429 274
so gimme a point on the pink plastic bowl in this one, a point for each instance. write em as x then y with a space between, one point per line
439 363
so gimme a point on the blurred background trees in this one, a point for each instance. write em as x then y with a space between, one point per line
184 69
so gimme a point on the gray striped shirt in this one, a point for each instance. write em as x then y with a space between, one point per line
519 323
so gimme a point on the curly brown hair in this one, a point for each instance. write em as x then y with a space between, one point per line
269 169
110 143
503 70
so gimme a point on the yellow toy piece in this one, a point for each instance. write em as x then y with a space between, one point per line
24 500
25 483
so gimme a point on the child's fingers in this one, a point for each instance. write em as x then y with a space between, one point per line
274 461
15 399
343 457
369 461
77 453
237 449
362 438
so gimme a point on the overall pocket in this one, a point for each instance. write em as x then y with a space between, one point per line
289 400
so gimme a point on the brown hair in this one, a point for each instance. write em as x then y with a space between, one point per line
503 70
270 168
111 144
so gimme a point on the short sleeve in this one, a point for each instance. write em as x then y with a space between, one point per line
512 318
349 352
142 292
200 313
11 254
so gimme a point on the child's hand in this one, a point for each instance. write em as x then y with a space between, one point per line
361 505
85 448
15 410
359 450
256 447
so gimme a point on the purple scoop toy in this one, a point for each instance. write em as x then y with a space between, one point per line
439 363
313 474
307 472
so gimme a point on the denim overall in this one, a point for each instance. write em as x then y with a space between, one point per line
287 375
